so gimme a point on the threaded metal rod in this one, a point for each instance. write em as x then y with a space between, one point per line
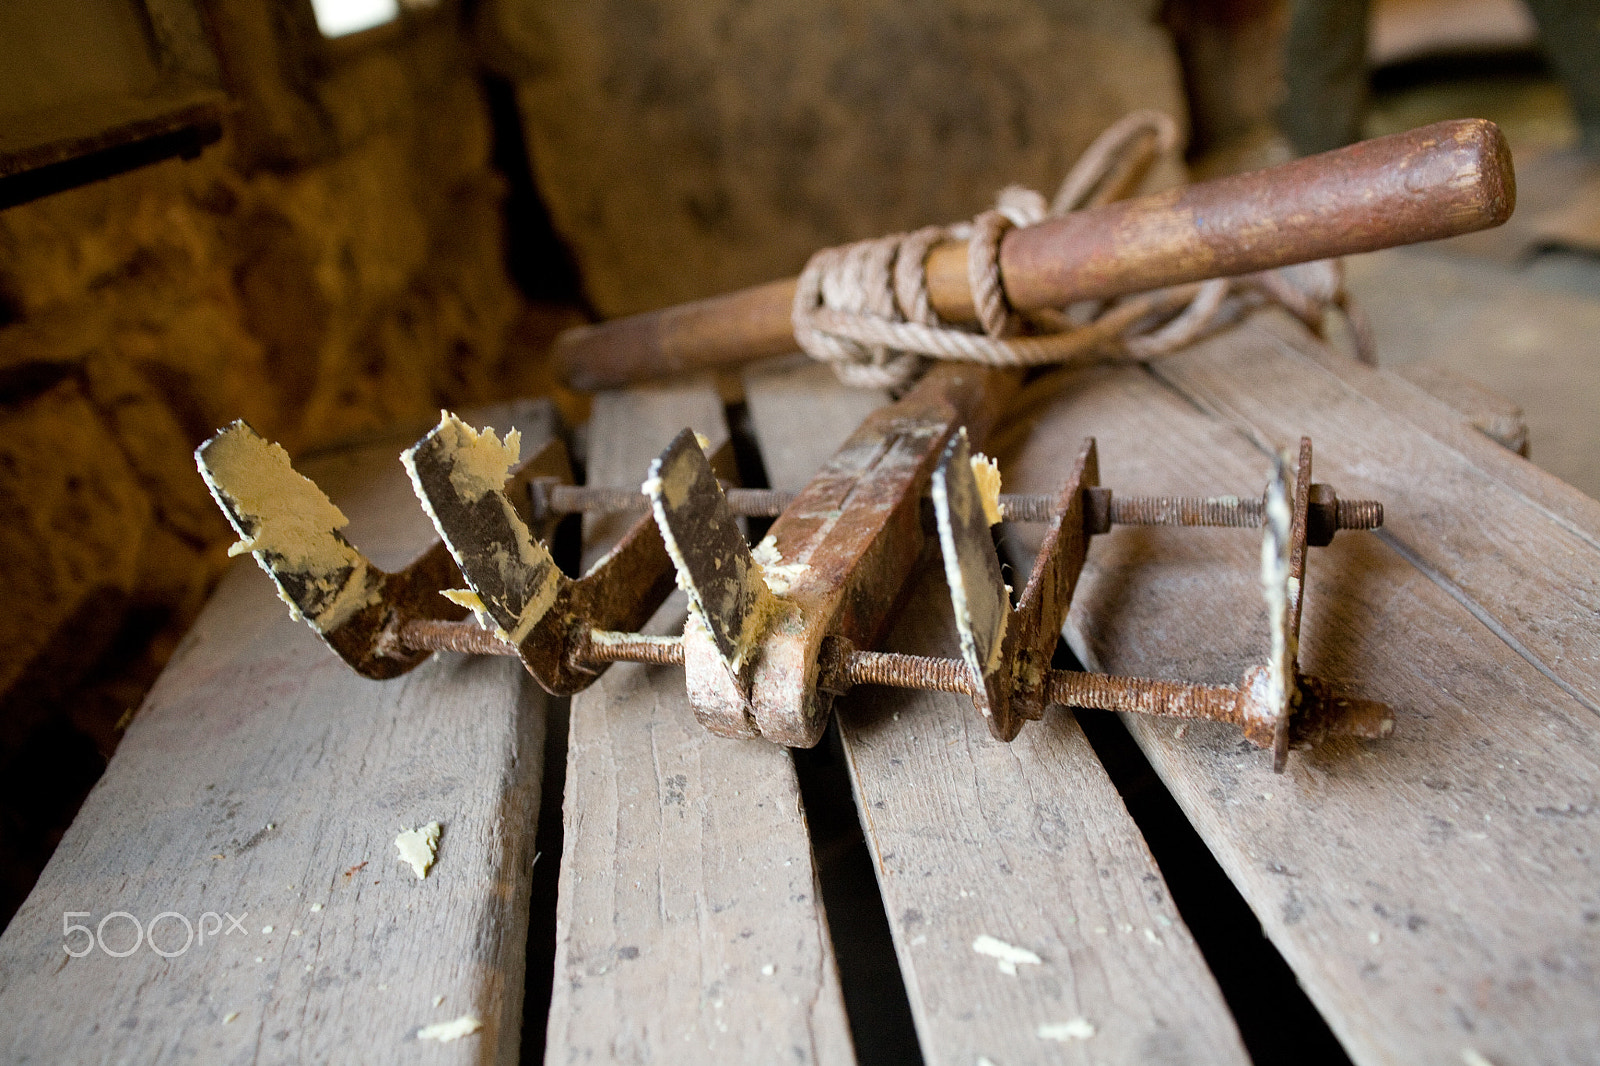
465 637
888 669
1224 511
1141 695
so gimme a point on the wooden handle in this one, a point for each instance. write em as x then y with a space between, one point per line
1437 181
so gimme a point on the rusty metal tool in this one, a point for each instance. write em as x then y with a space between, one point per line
774 634
1006 652
778 685
1437 181
384 624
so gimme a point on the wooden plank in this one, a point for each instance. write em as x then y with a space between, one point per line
1490 413
689 923
1516 545
1026 842
1435 892
264 780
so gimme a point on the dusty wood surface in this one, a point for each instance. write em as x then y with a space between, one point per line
262 779
1027 842
1434 892
1531 341
689 924
1489 412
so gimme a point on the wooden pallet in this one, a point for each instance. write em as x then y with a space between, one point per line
1435 894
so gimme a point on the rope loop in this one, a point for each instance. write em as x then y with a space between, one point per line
866 309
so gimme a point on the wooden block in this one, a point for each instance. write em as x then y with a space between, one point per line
264 780
1027 843
689 923
1434 892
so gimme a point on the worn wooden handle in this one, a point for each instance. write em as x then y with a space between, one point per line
1437 181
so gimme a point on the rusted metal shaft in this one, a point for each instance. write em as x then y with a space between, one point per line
1437 181
1225 511
1068 688
469 638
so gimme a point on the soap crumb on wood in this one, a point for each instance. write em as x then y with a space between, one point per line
1007 956
418 847
230 1016
1076 1029
437 1000
444 1032
1473 1057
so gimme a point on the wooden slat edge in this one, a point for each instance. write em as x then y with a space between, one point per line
690 927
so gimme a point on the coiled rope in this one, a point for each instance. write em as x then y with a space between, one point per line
865 307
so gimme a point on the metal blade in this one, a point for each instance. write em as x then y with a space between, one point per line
459 474
290 526
715 567
972 569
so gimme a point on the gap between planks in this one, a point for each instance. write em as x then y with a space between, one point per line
690 927
1027 842
1435 892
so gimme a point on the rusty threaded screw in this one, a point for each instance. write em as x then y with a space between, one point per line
428 634
1169 699
606 647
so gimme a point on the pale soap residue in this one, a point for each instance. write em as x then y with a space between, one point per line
987 473
418 846
444 1032
1008 956
1076 1029
468 599
779 575
955 580
480 461
1278 587
1473 1057
295 523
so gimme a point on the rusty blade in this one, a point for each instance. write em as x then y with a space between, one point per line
978 592
292 529
289 525
459 474
726 591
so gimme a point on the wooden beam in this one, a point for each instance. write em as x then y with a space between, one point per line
263 780
689 923
1027 843
1434 892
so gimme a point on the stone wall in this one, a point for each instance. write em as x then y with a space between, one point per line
687 147
333 266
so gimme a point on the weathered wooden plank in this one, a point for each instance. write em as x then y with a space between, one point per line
264 780
1026 842
689 923
1435 892
1515 544
1490 413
